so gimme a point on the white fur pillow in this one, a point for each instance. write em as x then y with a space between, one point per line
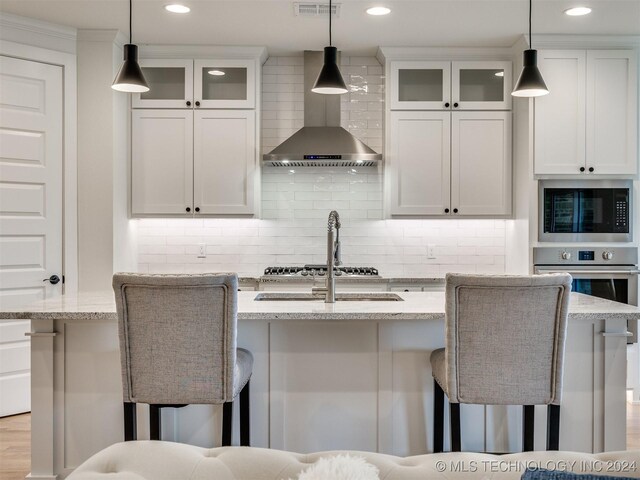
341 467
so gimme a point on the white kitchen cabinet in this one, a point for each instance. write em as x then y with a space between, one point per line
162 162
420 85
170 83
224 161
481 85
612 112
198 84
437 85
443 163
588 122
419 163
559 132
225 83
481 163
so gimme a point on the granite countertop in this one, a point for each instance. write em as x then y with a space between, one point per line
415 306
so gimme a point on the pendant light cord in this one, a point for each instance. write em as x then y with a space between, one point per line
530 12
330 43
130 21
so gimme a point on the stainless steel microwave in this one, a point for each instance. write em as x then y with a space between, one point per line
585 211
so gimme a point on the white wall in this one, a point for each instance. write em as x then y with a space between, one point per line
105 242
296 203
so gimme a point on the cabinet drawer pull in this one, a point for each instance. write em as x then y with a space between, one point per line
617 334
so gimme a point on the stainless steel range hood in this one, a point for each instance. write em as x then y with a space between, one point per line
322 142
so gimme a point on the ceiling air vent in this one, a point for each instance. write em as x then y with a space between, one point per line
316 9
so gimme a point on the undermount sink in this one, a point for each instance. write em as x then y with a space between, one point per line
340 297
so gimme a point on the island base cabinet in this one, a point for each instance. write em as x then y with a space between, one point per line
316 385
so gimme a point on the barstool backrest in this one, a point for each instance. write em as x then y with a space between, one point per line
505 338
177 337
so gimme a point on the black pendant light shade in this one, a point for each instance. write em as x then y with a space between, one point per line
330 79
130 77
530 83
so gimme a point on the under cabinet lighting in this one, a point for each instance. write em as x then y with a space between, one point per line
378 11
177 8
578 11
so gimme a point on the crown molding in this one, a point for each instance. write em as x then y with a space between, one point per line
203 51
28 31
585 41
385 54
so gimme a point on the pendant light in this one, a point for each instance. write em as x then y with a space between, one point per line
130 78
530 83
330 81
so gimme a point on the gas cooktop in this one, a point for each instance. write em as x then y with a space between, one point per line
320 270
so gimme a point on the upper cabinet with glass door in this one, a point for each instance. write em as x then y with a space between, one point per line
224 84
170 82
481 85
426 85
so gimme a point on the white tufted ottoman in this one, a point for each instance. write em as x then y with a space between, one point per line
147 460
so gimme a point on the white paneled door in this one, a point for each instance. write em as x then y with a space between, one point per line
30 210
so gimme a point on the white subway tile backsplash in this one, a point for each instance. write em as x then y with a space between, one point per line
296 202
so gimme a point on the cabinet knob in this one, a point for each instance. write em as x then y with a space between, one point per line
197 209
188 103
455 105
582 169
197 103
591 169
455 210
188 209
446 105
446 210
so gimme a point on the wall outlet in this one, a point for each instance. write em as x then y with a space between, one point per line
202 252
431 251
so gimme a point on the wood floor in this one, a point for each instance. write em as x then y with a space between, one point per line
15 447
15 442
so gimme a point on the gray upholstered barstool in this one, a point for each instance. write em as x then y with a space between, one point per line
178 347
505 339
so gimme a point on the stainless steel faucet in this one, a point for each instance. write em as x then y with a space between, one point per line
333 255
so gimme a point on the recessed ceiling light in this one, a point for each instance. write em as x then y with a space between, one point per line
378 11
216 73
578 11
499 74
177 8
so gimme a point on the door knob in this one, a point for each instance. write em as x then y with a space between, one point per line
53 279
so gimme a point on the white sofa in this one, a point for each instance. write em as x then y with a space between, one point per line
147 460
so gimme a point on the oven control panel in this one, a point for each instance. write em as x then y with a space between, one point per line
572 255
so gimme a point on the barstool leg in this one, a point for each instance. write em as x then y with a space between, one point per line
227 423
454 413
438 418
245 417
528 423
553 427
130 427
155 428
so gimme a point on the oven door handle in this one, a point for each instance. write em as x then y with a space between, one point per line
593 272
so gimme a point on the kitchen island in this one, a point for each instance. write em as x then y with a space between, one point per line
350 375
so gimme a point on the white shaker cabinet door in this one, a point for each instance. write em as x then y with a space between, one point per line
162 162
225 160
560 116
481 163
419 163
612 112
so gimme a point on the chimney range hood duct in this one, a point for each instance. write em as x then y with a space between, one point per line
322 142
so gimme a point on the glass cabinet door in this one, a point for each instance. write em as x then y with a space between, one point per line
420 85
170 84
224 84
481 85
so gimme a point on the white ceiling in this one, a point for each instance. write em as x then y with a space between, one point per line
272 23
